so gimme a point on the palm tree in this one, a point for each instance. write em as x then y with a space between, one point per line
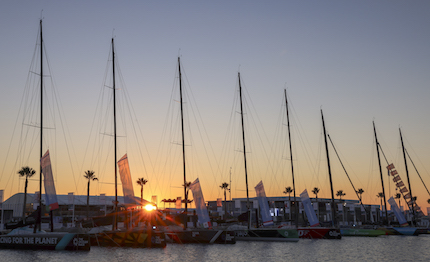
27 172
380 195
315 191
340 194
224 186
288 191
141 182
360 191
398 196
90 176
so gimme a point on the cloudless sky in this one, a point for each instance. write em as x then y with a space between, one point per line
358 61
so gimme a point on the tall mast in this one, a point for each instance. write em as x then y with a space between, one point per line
291 155
407 175
244 155
114 131
333 213
380 171
183 137
41 128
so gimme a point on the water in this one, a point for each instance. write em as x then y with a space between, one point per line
382 248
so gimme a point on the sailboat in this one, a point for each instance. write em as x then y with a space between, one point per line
132 236
314 231
258 234
206 235
27 238
405 229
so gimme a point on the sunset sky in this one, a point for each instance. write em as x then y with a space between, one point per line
358 61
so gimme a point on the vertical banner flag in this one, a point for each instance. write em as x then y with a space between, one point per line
71 201
219 202
50 194
127 185
154 200
178 203
310 212
397 212
264 205
199 202
237 204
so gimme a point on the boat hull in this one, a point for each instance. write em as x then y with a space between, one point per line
201 236
406 231
46 241
319 233
267 234
131 238
362 232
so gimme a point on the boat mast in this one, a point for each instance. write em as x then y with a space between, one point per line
333 213
114 139
380 171
183 138
407 175
41 130
244 155
291 155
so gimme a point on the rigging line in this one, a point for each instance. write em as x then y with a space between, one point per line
417 171
344 169
380 147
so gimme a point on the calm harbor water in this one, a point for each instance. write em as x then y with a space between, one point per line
382 248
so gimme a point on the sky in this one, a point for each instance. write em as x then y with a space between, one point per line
357 61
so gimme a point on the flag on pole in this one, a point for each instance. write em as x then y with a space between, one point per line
264 205
310 212
127 185
199 202
50 194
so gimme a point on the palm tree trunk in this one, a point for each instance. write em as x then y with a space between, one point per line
141 194
25 199
88 199
225 204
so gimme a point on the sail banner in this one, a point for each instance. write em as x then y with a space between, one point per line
199 202
397 212
50 193
127 185
264 205
219 202
310 212
154 200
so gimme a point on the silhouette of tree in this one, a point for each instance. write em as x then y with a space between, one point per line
224 186
90 176
315 191
141 182
26 172
288 190
340 194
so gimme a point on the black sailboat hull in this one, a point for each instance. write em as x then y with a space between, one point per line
201 236
139 238
46 241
